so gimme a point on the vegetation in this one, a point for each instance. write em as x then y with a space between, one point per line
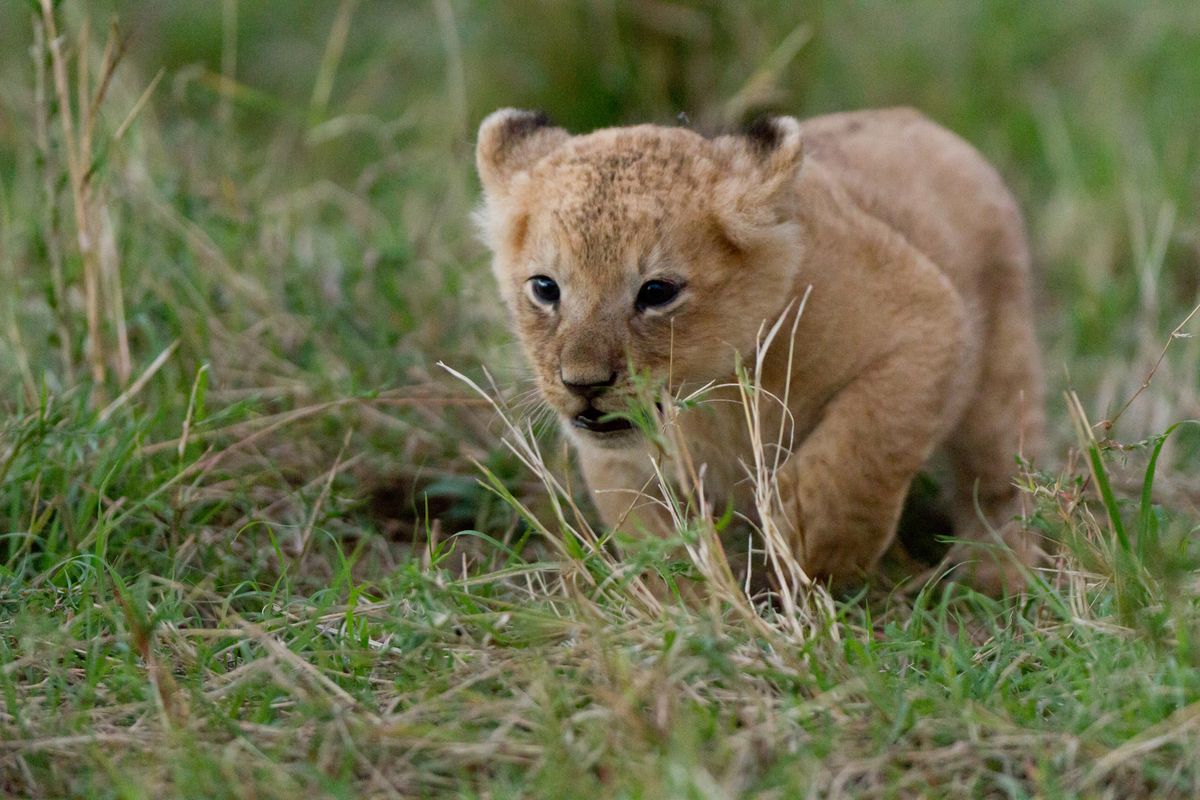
256 542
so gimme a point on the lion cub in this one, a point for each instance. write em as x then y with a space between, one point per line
660 251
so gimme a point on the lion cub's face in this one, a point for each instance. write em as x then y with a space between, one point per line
644 250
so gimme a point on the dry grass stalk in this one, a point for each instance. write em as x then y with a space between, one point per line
95 227
794 585
51 233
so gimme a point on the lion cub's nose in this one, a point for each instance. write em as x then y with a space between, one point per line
586 386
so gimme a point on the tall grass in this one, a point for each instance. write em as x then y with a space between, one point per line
255 541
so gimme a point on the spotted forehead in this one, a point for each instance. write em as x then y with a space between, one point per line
605 200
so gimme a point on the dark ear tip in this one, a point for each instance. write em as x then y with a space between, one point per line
502 130
514 123
511 140
525 122
764 134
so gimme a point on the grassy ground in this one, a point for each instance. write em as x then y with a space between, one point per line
254 541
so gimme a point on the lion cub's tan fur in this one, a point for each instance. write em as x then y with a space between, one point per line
917 335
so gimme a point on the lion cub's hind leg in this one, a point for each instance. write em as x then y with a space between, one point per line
1003 419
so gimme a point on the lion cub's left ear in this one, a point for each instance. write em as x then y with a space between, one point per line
761 166
510 142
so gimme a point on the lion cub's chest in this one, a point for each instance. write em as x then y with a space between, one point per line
737 440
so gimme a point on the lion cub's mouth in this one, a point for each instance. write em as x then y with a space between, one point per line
593 420
605 425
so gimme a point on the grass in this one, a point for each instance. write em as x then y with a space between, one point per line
255 542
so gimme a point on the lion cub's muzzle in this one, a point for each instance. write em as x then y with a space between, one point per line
591 419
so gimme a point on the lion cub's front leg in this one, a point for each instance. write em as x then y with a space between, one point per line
841 492
623 487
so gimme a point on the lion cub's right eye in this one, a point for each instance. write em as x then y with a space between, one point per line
544 289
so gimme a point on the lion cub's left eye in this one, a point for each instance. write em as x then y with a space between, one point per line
656 294
544 289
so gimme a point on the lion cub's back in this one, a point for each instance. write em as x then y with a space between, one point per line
927 183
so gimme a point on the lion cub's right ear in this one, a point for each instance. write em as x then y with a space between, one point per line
761 165
510 142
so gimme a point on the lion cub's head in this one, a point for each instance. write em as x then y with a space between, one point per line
644 249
